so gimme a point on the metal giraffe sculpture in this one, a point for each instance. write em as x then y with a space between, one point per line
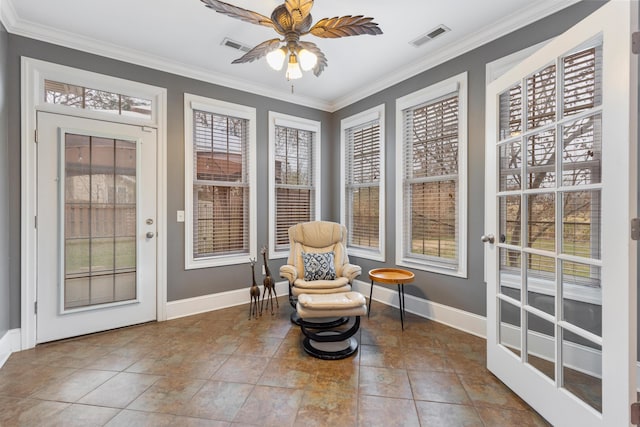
254 291
269 284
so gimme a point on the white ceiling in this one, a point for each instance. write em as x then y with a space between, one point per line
184 37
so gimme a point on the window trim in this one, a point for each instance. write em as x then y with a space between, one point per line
280 119
210 105
457 83
375 113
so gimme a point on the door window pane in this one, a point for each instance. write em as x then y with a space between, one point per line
581 223
511 112
579 277
510 220
541 159
510 274
510 166
541 279
582 81
99 219
586 384
510 329
541 338
582 151
541 97
541 227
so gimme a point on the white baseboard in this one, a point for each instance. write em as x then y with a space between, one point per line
9 343
450 316
205 303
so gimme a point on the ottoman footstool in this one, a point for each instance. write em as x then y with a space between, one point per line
325 339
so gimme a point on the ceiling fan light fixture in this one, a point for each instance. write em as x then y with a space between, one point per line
292 20
275 58
293 70
308 59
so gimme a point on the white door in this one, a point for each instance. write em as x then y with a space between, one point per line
560 193
96 226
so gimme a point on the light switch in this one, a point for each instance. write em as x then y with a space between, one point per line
180 216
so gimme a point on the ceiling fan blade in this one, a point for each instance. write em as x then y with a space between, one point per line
258 51
238 12
298 9
322 60
344 26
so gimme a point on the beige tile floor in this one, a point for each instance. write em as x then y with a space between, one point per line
222 369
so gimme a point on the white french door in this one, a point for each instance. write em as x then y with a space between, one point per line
96 226
560 193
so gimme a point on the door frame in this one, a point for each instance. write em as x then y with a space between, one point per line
33 74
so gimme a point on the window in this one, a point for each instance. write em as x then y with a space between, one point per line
431 127
294 178
220 200
362 145
98 100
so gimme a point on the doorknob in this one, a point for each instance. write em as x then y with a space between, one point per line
150 234
488 238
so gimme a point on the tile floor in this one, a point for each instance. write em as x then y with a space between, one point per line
222 369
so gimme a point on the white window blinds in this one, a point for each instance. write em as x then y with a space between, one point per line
362 204
220 185
294 181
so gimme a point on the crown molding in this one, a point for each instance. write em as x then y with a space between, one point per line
64 38
8 15
517 20
513 22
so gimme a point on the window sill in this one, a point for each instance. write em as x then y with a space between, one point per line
409 263
360 253
216 261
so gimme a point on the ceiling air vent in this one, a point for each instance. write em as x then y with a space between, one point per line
235 45
438 31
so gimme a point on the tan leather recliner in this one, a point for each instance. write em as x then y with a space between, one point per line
318 237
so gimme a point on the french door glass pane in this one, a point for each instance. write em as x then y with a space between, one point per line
510 327
541 227
541 155
511 166
582 84
541 97
510 275
99 220
581 223
541 338
541 287
511 112
510 220
578 277
583 381
582 151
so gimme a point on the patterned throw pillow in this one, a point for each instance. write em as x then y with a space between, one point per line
319 266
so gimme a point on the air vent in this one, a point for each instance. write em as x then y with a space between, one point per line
235 45
436 32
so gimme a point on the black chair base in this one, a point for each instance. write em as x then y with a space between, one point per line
322 323
327 352
325 342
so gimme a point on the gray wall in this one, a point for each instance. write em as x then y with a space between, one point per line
5 287
181 284
466 294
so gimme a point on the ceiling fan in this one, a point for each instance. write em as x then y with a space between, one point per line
292 19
